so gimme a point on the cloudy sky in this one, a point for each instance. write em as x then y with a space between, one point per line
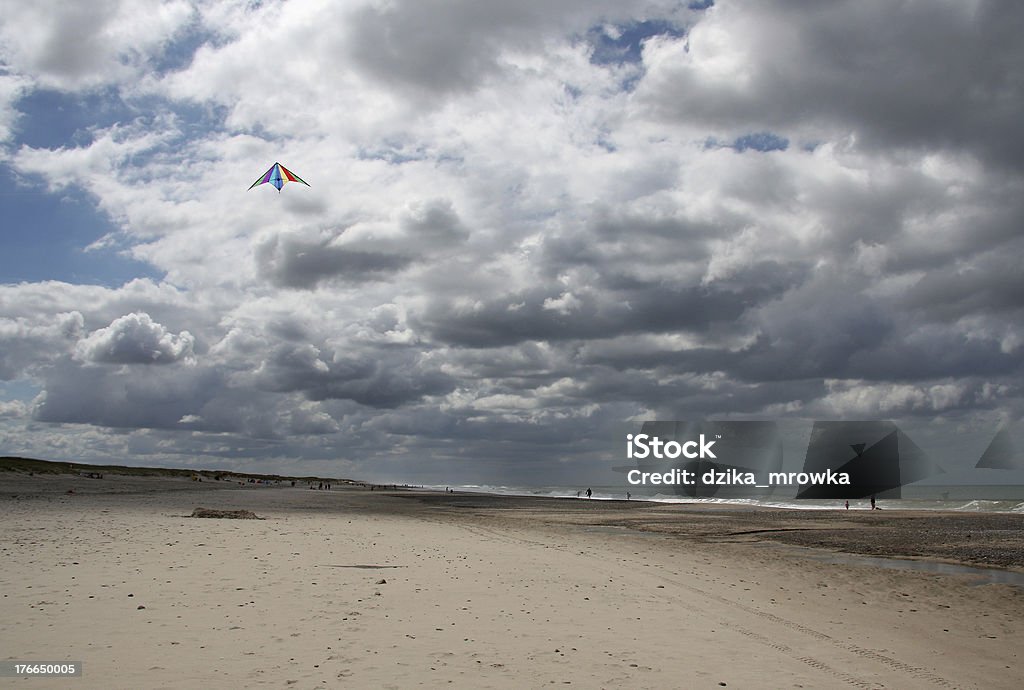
528 224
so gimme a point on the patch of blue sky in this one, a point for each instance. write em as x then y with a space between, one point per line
449 158
757 141
622 44
18 389
604 141
46 234
392 155
179 52
701 5
397 153
761 141
54 119
194 120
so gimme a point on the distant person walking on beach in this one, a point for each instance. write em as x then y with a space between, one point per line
847 505
588 492
873 502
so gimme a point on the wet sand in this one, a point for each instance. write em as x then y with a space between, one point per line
352 588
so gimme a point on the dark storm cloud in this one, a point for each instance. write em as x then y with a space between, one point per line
73 46
139 397
621 238
288 328
882 354
677 397
829 328
381 379
989 221
405 44
295 263
539 315
434 224
918 74
435 46
933 353
992 284
381 387
180 398
646 275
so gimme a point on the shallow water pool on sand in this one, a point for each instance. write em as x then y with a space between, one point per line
980 576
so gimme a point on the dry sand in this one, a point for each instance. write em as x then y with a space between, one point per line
363 589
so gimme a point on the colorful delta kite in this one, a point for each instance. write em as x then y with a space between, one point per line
277 176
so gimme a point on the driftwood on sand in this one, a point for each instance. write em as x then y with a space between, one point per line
229 514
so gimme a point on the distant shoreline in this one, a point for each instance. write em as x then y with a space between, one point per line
986 539
31 465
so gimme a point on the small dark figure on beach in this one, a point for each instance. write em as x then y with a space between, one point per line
628 495
872 502
577 494
588 493
847 505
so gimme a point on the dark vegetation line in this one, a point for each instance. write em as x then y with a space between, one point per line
28 465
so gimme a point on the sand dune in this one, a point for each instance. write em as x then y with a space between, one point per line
364 589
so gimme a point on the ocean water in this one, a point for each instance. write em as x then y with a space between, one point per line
974 499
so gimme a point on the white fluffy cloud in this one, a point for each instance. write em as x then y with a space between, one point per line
12 408
80 45
28 342
135 339
11 88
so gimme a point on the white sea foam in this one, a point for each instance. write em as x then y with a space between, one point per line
607 493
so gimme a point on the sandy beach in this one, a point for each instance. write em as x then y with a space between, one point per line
353 588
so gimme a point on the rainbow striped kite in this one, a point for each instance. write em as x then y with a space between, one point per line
277 176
